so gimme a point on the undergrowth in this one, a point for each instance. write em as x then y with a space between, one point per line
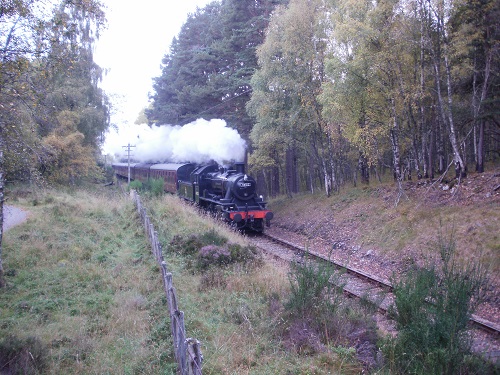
210 249
433 306
319 320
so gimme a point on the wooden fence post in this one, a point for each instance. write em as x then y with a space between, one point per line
187 351
181 341
194 357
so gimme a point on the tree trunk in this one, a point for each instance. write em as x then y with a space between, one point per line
275 181
460 167
262 186
424 150
2 145
290 173
364 171
395 145
440 147
423 127
328 181
310 172
440 56
430 153
480 148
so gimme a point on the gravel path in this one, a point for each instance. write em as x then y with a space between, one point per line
13 216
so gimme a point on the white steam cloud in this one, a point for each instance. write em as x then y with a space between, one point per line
197 142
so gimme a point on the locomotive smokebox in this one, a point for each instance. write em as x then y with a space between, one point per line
240 167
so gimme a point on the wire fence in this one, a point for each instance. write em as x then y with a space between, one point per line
187 351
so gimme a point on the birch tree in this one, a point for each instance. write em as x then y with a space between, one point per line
289 79
28 31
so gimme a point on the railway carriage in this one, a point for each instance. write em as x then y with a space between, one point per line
141 171
171 174
121 169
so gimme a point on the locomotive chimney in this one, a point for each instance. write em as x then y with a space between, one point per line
240 167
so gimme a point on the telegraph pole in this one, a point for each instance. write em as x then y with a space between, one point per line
128 148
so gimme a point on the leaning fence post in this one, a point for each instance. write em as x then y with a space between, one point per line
170 291
194 357
155 245
164 271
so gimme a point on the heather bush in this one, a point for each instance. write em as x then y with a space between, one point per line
189 245
212 249
213 255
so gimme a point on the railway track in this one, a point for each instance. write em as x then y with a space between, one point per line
359 284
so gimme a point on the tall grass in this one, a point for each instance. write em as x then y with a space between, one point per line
239 304
318 318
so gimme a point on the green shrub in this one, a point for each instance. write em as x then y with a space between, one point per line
211 237
317 316
186 246
157 187
151 187
433 307
135 185
243 254
309 284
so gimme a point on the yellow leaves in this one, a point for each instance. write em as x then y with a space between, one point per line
68 121
258 161
70 157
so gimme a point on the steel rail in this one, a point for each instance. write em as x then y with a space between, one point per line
483 324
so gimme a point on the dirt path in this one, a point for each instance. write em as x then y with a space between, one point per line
13 216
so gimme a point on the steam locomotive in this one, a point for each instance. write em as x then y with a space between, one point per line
227 192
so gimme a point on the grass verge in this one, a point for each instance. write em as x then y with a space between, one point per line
83 293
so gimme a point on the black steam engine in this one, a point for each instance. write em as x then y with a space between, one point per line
228 193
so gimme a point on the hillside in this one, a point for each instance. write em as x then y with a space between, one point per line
363 226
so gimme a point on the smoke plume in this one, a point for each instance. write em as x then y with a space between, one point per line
197 142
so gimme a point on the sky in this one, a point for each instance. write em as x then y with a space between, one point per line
130 50
138 35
